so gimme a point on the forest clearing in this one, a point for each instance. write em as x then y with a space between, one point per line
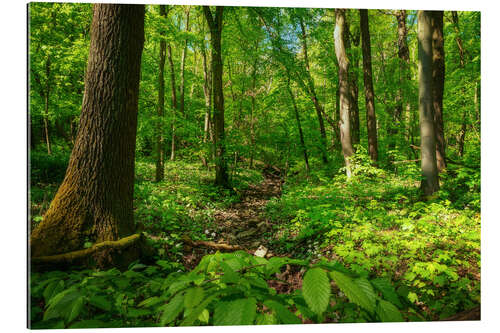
208 165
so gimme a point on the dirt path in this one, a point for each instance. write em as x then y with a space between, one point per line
243 224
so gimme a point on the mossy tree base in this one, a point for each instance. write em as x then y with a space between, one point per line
107 254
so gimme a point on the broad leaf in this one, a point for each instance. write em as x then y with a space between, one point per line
316 290
238 312
284 315
353 292
388 312
172 309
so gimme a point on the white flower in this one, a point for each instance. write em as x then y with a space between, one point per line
207 232
213 234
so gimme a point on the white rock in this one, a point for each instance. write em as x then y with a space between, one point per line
261 251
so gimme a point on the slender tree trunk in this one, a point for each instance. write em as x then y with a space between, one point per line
353 86
183 64
299 126
95 199
46 96
252 113
207 128
371 121
430 182
438 86
313 96
160 142
174 99
461 52
215 24
340 51
404 61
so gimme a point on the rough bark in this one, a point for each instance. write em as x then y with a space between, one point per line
438 86
371 120
215 25
312 93
430 182
95 199
160 142
207 127
344 96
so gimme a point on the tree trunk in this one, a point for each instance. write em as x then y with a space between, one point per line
430 182
371 121
438 86
183 64
404 61
207 127
313 96
353 86
461 52
46 96
160 144
252 113
215 24
174 99
299 126
344 124
95 199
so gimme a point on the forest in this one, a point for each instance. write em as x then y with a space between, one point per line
208 165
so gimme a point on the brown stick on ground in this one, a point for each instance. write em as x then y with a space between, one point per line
213 245
472 314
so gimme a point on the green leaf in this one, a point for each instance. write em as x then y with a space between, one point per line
353 292
100 302
193 297
204 316
230 276
367 288
134 313
387 289
53 289
60 305
316 290
387 312
284 315
266 319
76 308
91 323
148 302
238 312
172 309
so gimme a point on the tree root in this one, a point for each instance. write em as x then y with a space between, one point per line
119 253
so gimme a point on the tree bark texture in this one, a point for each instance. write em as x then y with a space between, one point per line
95 199
160 142
299 126
430 182
371 120
344 96
438 86
353 84
215 25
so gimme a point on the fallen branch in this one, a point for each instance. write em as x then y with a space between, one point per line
213 245
472 314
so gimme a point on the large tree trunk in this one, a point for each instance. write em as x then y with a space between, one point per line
95 199
430 182
340 51
215 24
160 144
438 86
312 94
371 120
252 113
